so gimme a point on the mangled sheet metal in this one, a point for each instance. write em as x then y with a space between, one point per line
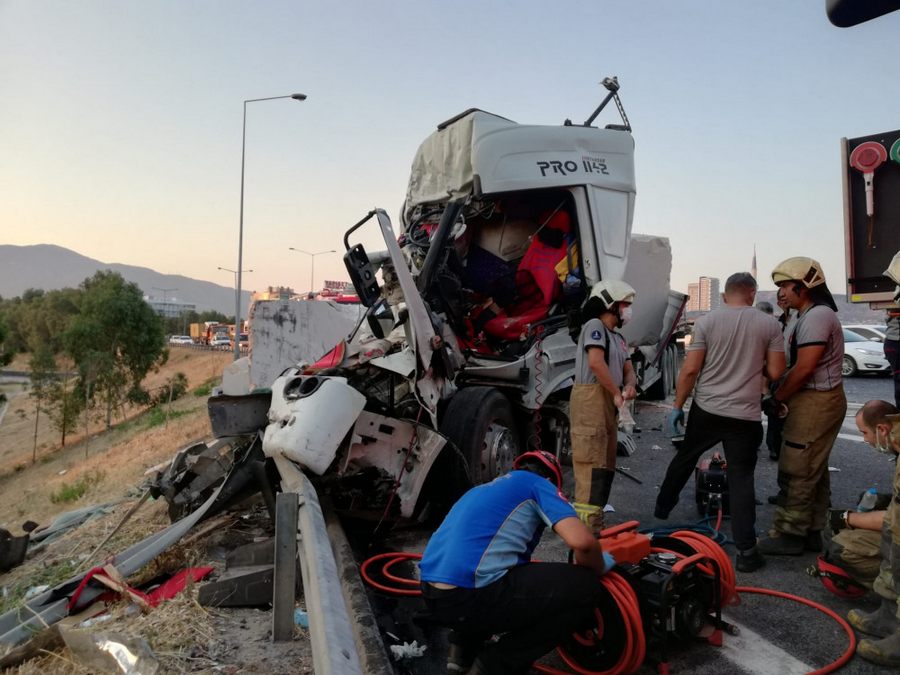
49 607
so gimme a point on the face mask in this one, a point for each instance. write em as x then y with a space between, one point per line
624 314
882 444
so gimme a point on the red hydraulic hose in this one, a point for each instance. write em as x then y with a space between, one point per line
392 559
730 590
635 642
851 648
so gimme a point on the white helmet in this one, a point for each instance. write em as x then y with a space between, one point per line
612 291
805 270
893 270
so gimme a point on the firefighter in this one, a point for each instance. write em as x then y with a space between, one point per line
604 380
853 538
731 347
880 429
811 397
478 578
892 330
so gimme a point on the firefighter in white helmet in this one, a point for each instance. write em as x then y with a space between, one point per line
604 380
892 332
812 397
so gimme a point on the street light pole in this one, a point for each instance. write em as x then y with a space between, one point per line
312 265
237 318
237 302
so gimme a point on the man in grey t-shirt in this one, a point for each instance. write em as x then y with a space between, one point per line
730 350
812 397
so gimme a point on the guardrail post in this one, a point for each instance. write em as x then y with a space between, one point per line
284 589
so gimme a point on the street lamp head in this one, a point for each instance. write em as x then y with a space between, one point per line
298 97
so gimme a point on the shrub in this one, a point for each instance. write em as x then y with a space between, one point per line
70 492
206 388
178 385
157 416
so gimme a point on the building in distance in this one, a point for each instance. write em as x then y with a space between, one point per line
704 295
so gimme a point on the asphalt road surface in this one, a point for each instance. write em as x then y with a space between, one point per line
777 636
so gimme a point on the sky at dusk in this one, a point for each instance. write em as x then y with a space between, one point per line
121 121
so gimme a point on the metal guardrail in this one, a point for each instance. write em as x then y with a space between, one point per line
330 629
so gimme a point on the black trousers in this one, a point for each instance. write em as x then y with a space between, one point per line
740 438
892 354
533 607
773 434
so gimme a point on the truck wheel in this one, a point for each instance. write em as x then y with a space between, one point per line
480 421
848 367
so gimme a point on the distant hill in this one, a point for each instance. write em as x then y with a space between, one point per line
51 267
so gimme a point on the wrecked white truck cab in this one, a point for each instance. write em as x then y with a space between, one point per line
465 356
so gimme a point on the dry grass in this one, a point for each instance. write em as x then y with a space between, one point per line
120 455
184 636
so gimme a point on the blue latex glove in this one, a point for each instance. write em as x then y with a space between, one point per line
608 562
676 417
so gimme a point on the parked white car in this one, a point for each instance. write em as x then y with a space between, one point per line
181 340
868 331
862 354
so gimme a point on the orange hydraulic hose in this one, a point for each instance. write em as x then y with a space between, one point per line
392 559
712 550
851 648
635 642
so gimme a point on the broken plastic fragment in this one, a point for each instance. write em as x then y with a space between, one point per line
110 652
35 591
834 468
301 618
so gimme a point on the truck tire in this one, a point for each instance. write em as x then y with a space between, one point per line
481 422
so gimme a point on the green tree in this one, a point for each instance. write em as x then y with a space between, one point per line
63 405
43 373
115 340
46 319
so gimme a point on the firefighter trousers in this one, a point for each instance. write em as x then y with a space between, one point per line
592 412
887 583
804 487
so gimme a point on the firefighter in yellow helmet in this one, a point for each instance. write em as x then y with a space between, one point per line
812 396
604 380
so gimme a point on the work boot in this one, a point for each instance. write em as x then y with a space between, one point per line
884 652
781 543
749 560
601 486
595 522
881 623
814 541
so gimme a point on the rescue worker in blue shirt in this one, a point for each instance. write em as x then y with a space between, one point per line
477 576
